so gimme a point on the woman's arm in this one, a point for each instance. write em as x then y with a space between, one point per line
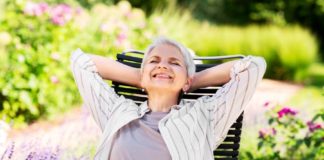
112 70
232 98
213 76
88 72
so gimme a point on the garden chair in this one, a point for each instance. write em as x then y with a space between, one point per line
229 149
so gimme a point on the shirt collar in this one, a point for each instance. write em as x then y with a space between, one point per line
144 107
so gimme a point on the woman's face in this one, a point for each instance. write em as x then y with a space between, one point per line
165 70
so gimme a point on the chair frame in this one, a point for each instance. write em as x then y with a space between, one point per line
229 148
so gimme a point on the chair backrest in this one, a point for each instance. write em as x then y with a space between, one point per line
229 149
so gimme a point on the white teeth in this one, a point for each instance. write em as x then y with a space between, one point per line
162 75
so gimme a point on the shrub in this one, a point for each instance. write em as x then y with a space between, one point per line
35 49
289 137
33 83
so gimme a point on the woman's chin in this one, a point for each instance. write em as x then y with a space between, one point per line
162 87
162 80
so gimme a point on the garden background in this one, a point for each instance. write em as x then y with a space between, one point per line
40 108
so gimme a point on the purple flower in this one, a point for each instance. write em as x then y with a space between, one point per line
274 131
262 133
286 111
30 156
313 126
10 149
266 104
61 14
35 9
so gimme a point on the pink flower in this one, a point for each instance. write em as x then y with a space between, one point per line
55 56
157 20
43 7
78 10
286 111
313 126
104 27
61 14
266 132
121 38
54 79
141 25
123 27
35 9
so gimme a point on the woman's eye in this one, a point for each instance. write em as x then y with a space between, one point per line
153 61
175 63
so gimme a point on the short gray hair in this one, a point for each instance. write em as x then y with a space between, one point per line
190 65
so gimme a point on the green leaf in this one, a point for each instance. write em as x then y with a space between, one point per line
249 155
260 144
271 120
307 142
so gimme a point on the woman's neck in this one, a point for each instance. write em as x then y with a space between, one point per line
161 102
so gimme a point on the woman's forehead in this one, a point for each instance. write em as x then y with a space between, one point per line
166 51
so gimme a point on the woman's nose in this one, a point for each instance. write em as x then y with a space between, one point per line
163 65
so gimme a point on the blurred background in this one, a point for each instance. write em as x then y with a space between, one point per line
40 108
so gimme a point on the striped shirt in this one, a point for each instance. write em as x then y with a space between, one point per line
191 130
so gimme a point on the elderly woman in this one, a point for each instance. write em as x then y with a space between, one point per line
162 128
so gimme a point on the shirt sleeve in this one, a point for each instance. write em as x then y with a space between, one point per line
97 95
229 101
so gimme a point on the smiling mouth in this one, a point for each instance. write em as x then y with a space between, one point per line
162 76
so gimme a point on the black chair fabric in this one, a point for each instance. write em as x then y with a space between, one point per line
229 149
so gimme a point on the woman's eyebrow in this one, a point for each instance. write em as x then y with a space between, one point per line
174 59
170 58
153 57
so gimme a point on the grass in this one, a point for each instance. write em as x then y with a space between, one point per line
309 99
313 75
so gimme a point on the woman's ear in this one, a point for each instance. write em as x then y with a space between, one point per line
187 85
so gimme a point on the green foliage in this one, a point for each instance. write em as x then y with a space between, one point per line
307 13
289 137
35 49
147 5
313 75
33 56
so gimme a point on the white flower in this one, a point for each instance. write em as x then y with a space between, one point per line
5 38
